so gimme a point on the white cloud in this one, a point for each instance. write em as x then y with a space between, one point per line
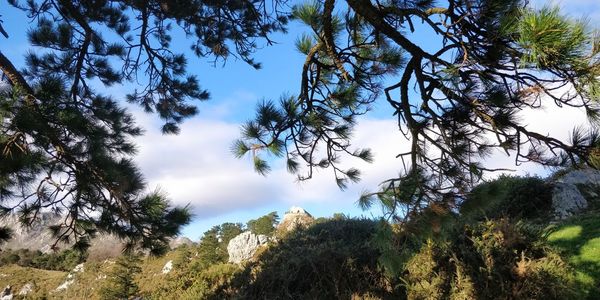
197 166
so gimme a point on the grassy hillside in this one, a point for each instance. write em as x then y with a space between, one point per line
44 281
579 240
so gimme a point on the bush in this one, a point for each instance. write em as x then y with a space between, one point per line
509 196
329 260
58 261
489 260
120 282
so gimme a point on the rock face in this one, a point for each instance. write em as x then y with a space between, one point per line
295 217
38 237
243 246
567 198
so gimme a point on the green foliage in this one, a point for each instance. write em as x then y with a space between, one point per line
509 196
334 259
212 248
578 239
59 261
489 260
5 234
457 102
120 282
549 39
68 147
210 283
264 225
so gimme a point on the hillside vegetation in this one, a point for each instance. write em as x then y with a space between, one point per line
501 243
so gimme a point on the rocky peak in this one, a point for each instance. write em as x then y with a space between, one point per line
295 217
244 246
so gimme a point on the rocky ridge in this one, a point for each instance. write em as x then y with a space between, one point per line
38 237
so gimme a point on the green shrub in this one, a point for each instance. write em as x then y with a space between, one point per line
58 261
120 282
213 283
509 196
330 260
489 260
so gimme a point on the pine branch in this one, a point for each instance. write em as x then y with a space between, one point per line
14 76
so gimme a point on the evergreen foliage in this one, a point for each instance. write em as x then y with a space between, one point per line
59 261
509 196
333 259
264 225
456 99
67 146
120 282
212 247
489 260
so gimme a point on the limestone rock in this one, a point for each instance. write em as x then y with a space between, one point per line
168 267
26 289
581 176
6 293
243 246
70 277
38 237
295 217
567 198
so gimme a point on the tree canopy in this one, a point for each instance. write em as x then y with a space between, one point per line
67 147
456 101
264 225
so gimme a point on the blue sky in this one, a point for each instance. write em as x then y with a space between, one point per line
196 166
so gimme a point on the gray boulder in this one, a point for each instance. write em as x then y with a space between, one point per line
243 246
567 199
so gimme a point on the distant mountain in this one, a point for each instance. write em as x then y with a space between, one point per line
38 237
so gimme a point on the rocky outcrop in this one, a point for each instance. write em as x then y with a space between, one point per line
243 246
70 278
294 218
35 237
168 267
6 293
567 198
38 237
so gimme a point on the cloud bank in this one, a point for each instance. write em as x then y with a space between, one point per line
196 167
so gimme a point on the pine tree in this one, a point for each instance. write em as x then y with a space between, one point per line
210 250
120 283
456 98
265 224
66 146
227 231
